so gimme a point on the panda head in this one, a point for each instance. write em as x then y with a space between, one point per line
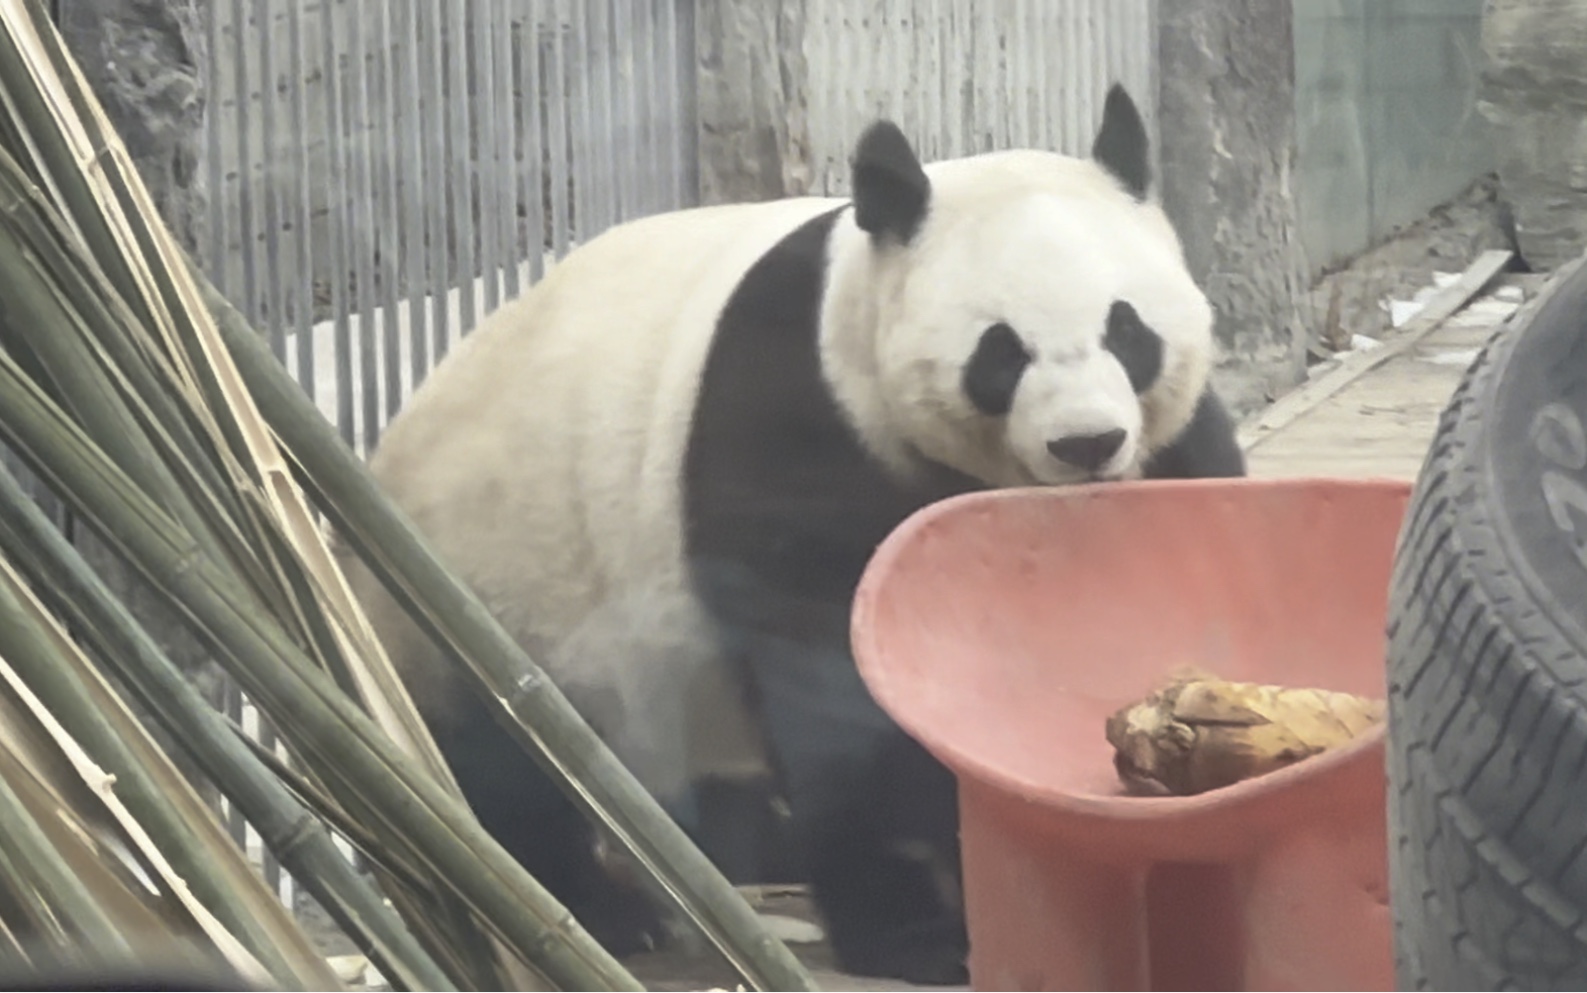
1023 317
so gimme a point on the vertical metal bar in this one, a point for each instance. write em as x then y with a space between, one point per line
264 23
673 44
303 314
392 327
581 111
556 107
1041 40
464 210
642 37
816 52
995 110
1071 91
684 99
618 127
855 72
1087 66
505 131
600 74
487 169
884 66
361 131
627 158
242 45
220 255
415 189
1019 73
531 93
947 85
438 226
922 28
973 67
1152 76
341 208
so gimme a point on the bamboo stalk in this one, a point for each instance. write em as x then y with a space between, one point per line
24 909
47 146
82 154
31 653
289 829
524 699
29 852
98 838
138 368
75 153
326 722
50 319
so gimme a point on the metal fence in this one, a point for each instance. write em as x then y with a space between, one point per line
383 172
966 76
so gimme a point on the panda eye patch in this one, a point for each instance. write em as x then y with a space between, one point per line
992 374
1136 346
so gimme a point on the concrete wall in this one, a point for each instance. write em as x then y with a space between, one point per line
1386 116
1536 98
143 59
1226 107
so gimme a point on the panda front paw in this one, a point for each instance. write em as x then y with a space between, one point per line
928 954
937 967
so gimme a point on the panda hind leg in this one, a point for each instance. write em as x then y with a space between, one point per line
744 831
874 816
884 868
520 806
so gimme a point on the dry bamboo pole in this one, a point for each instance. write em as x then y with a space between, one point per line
29 651
523 698
288 828
327 722
51 118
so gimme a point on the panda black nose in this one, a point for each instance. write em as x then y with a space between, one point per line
1088 451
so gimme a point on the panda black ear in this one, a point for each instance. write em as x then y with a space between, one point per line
1120 145
890 188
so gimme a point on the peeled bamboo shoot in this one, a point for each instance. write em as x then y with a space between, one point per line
1198 732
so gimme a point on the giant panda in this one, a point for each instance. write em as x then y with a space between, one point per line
665 466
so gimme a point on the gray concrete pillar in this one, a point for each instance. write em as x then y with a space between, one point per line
754 142
1226 113
143 60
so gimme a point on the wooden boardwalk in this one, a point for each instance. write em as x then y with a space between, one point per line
1375 413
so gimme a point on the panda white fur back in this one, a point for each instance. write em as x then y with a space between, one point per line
664 466
542 459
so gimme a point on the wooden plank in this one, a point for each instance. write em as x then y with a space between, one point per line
1340 466
1440 308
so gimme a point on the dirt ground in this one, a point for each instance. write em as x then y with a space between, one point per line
790 916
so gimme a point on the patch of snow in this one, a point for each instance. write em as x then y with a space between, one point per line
1401 311
1457 356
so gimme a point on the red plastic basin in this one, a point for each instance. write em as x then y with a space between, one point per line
1001 629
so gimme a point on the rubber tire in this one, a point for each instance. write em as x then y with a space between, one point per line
1487 670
